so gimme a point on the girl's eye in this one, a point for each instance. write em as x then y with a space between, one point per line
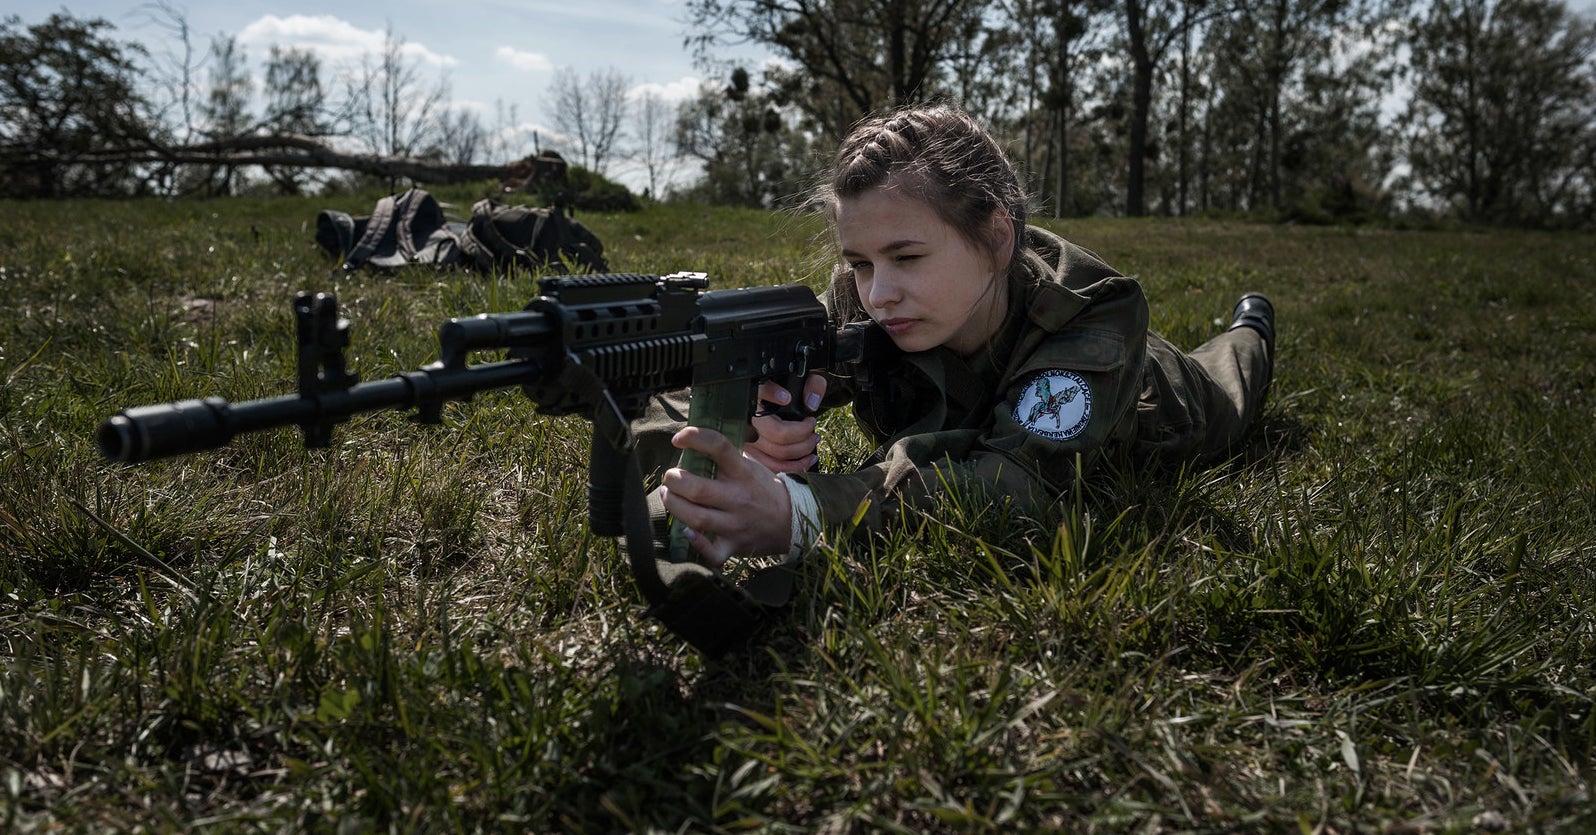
858 266
904 259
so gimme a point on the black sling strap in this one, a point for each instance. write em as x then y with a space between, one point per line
697 603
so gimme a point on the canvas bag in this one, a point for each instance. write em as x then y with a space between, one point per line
403 229
499 236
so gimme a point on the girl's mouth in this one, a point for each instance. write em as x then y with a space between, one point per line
898 326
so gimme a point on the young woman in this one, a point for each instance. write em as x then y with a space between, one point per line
1006 357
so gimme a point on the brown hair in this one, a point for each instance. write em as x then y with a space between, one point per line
938 154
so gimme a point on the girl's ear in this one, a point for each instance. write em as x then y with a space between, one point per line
1003 233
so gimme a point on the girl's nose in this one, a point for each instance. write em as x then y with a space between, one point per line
885 289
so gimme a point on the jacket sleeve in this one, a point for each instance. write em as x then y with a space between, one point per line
1031 443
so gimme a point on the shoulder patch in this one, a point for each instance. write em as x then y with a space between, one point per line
1055 404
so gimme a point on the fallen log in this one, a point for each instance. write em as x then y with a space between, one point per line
292 151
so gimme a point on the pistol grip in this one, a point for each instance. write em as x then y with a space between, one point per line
795 408
722 407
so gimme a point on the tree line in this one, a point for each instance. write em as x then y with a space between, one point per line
84 113
1482 111
1477 110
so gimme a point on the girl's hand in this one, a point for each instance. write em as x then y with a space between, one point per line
744 510
787 446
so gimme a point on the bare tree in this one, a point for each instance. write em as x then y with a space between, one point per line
172 71
461 138
503 141
398 109
226 107
297 104
296 99
225 111
653 121
590 111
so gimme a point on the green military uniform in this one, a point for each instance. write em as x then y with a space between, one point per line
1072 374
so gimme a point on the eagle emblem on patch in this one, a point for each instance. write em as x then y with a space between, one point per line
1055 405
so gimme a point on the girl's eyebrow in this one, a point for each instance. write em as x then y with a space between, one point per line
891 247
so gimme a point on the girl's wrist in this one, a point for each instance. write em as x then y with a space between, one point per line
804 527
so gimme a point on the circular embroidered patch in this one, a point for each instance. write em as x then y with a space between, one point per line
1055 404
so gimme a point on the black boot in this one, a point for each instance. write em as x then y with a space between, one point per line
1254 311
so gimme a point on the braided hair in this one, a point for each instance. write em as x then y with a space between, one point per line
935 153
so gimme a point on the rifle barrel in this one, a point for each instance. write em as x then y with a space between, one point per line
160 430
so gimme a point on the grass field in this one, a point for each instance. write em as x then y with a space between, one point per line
1379 619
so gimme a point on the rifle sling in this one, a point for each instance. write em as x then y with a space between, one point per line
698 604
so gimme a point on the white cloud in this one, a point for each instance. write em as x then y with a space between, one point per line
671 91
662 17
523 135
332 38
523 60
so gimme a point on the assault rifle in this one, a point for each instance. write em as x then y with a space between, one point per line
597 345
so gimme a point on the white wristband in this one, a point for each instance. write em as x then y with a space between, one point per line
805 516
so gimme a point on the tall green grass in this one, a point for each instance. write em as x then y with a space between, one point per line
1378 618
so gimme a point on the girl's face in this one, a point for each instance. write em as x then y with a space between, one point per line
920 279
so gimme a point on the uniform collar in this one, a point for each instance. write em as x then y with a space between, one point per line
1056 272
